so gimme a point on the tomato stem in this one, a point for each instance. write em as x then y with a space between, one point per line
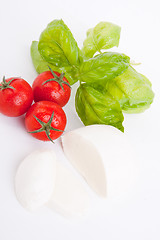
5 84
46 127
57 79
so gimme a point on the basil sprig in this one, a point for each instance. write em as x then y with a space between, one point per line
108 84
132 90
104 35
98 107
103 67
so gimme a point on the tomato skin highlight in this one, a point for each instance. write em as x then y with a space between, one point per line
15 102
43 111
50 91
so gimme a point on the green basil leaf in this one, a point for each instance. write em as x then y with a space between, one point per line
104 35
41 65
132 90
38 62
95 107
58 46
103 67
70 74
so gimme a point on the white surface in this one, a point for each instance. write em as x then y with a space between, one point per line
134 216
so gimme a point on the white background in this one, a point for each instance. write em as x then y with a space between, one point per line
133 216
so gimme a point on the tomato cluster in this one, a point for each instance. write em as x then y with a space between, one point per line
45 119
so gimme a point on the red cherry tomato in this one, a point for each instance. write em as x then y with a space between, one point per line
51 86
45 120
16 96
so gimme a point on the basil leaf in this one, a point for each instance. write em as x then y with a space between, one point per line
38 62
104 35
58 46
132 90
103 67
95 107
41 65
70 74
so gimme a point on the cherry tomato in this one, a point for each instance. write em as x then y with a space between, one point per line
45 120
51 86
16 96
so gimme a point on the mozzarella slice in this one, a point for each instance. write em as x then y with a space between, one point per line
69 196
103 156
35 179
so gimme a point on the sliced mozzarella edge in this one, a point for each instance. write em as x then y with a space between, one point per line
103 156
69 196
42 180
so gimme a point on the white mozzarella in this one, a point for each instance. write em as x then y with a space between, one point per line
103 156
69 196
35 179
